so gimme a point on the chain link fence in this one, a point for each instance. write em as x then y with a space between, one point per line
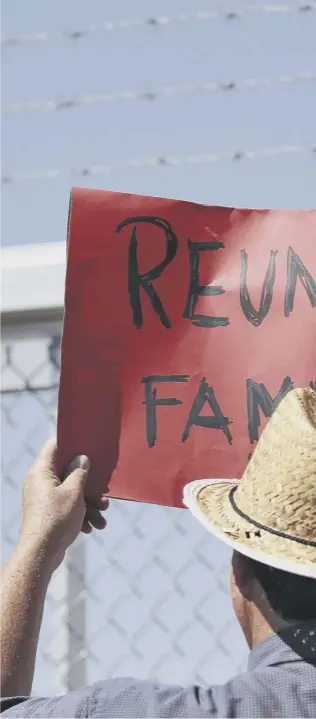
148 597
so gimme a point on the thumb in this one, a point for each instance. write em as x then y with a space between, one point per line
77 473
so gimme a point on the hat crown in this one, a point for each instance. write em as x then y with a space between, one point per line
278 488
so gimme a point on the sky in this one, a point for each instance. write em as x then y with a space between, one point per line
275 122
144 58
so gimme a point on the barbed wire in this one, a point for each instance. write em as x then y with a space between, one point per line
151 95
155 21
166 161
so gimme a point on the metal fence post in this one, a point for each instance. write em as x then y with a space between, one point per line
76 616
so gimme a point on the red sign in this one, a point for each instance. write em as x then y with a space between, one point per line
184 326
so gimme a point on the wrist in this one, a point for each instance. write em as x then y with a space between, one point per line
37 554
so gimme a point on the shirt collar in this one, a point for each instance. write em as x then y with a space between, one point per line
296 644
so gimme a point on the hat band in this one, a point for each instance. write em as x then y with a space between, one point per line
242 514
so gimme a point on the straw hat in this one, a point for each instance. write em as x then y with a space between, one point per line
270 514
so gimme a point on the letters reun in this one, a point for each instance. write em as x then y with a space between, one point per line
258 396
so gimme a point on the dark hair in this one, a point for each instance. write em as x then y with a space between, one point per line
292 597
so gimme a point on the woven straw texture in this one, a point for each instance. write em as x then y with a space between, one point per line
278 488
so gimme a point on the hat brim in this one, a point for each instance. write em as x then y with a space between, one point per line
208 500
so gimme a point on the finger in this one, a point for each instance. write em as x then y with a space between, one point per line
45 462
86 527
94 517
101 503
81 461
77 474
105 501
48 451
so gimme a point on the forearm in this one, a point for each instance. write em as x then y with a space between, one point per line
24 582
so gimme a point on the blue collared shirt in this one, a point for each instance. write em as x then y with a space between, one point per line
278 683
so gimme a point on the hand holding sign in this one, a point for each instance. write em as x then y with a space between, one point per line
184 327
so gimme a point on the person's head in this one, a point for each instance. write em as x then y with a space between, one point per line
266 599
